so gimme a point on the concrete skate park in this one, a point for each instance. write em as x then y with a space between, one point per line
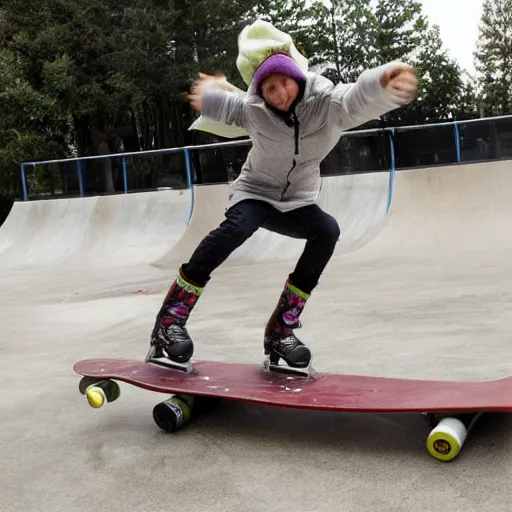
419 287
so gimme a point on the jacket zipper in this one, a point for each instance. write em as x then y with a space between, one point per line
296 134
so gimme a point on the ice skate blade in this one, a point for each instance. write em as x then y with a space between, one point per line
287 370
173 365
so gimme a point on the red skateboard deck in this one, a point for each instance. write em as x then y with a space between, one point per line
324 391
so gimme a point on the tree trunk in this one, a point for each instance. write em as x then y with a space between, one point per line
178 132
162 122
335 40
130 139
100 147
146 126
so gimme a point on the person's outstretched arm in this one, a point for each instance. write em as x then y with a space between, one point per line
377 91
214 98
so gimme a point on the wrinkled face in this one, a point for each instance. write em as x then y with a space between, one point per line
280 91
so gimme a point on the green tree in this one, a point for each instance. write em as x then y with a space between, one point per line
398 29
345 38
293 17
493 57
112 75
467 105
103 77
339 38
31 128
441 87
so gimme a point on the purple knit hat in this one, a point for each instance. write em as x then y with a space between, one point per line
278 63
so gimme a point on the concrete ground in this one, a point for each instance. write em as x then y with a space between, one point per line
430 297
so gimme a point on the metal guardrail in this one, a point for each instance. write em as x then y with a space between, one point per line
186 151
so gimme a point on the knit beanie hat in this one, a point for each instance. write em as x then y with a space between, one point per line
277 63
263 49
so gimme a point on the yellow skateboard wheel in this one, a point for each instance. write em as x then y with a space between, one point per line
446 440
95 396
99 392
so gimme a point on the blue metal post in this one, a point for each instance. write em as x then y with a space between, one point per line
80 179
125 176
392 169
457 141
188 166
24 182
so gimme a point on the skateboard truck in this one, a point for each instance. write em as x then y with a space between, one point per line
99 391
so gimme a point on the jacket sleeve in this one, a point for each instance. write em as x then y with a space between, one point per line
224 106
360 102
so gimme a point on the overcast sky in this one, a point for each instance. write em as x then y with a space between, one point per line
458 21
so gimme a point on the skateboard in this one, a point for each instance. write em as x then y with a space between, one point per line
450 408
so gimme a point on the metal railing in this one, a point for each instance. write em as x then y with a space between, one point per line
487 142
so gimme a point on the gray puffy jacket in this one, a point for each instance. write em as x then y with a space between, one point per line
283 165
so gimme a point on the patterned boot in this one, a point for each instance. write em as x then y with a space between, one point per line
171 344
280 341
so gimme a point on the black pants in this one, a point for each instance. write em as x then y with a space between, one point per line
243 219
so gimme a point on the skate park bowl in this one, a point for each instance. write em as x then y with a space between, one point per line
116 230
158 227
358 202
438 211
447 211
419 290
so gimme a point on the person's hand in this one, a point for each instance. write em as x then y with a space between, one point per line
401 80
196 92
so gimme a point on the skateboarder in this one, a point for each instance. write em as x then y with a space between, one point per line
294 119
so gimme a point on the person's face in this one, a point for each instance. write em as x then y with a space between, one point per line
280 91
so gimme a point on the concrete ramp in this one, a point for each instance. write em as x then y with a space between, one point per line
94 231
437 211
358 202
46 232
136 228
448 211
426 296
